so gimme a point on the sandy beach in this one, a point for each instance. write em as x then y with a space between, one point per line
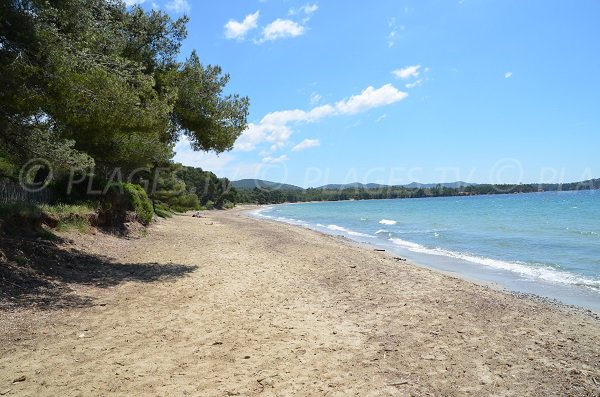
228 305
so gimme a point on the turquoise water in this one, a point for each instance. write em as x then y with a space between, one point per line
545 243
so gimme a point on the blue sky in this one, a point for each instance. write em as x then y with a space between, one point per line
401 91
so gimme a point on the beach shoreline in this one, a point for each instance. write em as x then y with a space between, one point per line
494 272
266 308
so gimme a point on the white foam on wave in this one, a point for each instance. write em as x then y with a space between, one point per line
259 212
542 272
337 228
387 222
381 231
283 218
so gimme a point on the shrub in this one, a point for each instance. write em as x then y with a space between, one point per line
210 205
185 202
162 210
124 197
139 202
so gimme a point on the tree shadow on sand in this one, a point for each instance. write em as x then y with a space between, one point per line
42 274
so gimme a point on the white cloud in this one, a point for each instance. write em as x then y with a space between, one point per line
315 98
305 144
238 30
225 164
305 9
414 84
310 8
275 128
282 28
381 118
129 3
205 160
393 34
178 6
252 136
392 38
275 160
507 75
407 72
370 98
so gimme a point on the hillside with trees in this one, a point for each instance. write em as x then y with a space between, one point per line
362 192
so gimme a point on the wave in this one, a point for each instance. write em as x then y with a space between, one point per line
337 228
539 271
417 231
259 212
387 222
381 231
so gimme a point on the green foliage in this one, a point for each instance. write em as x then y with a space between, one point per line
185 202
58 211
91 82
162 210
223 118
209 205
167 184
64 210
276 196
207 186
61 217
139 202
126 197
78 224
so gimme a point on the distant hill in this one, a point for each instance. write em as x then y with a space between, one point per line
259 183
413 185
262 184
453 185
355 185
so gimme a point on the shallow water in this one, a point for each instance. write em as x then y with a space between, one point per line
543 243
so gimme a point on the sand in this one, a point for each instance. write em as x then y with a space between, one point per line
227 305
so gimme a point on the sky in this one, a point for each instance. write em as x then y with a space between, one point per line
399 91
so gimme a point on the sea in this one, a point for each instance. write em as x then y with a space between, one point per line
547 244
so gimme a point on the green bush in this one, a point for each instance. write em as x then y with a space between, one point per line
162 210
139 202
227 205
210 205
123 197
185 202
